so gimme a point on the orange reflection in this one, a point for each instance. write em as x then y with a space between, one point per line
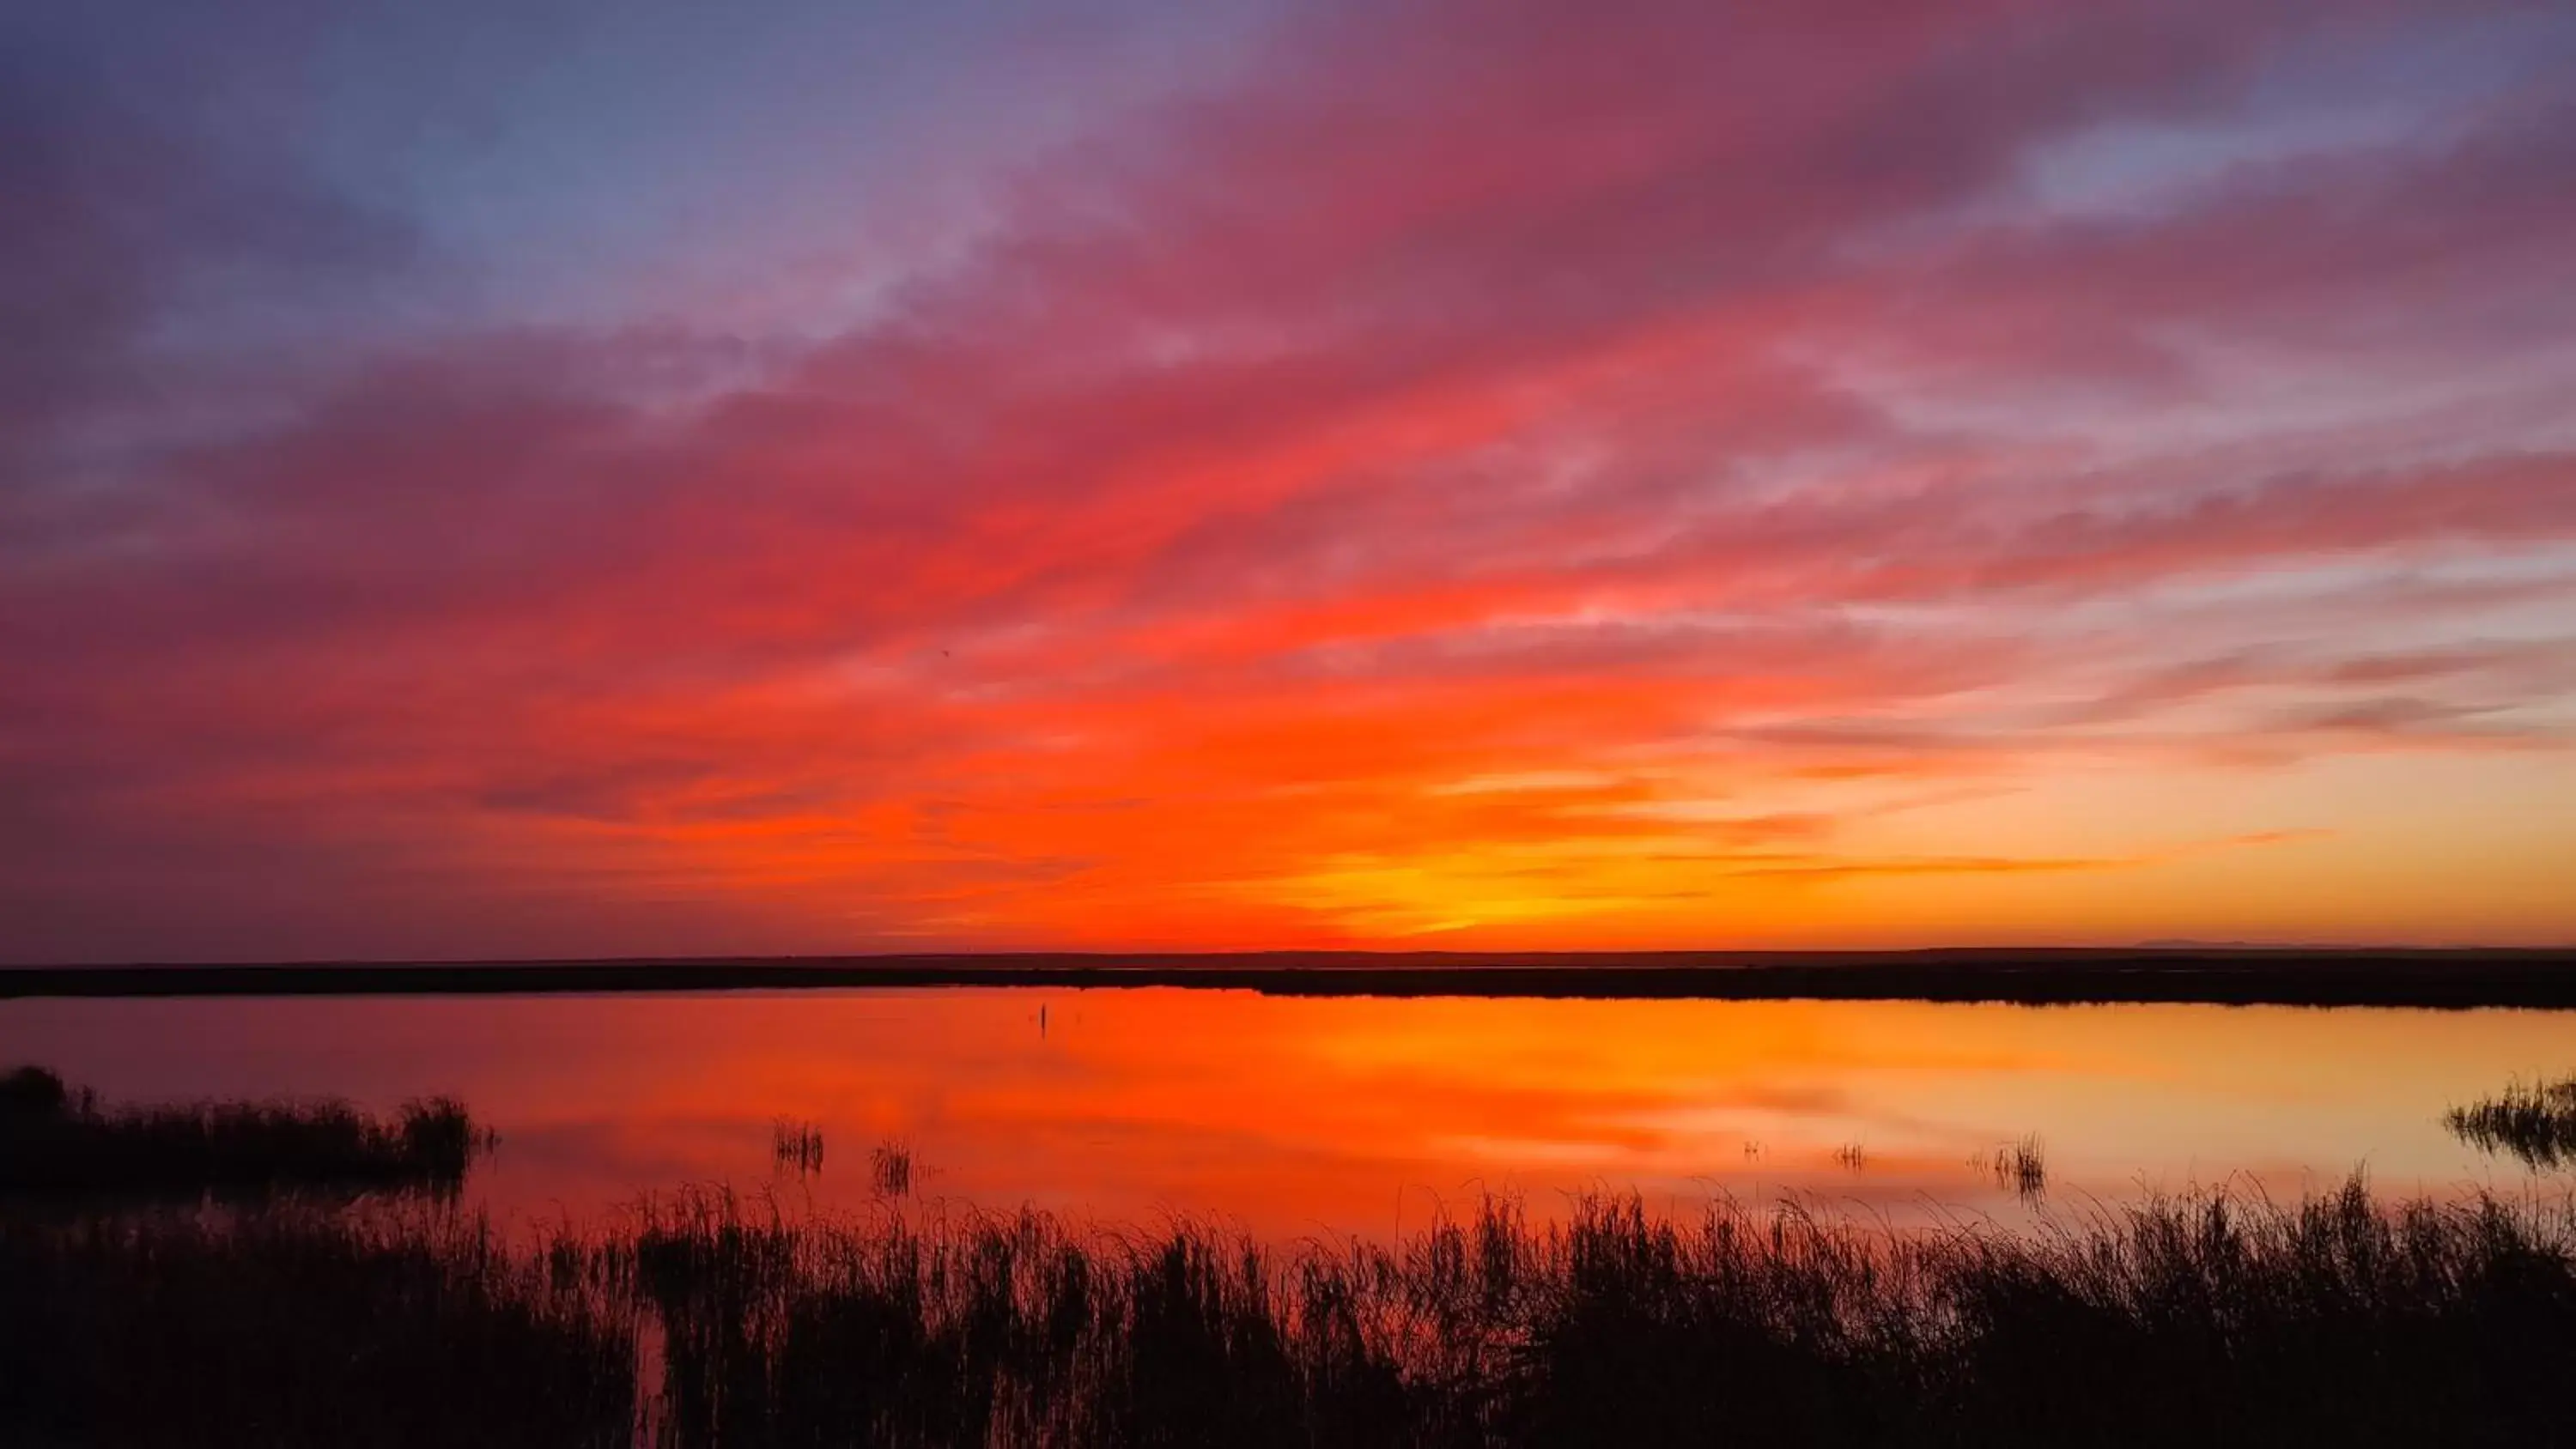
1301 1115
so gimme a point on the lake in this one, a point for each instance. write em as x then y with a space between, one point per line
1325 1116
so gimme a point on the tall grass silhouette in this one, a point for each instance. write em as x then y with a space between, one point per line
2207 1317
295 1324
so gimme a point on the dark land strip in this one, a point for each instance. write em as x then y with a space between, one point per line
2540 978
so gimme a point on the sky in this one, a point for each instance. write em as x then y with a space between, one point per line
552 477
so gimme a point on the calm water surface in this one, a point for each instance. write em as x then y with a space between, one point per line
1299 1116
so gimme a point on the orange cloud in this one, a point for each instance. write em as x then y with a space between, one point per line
1486 475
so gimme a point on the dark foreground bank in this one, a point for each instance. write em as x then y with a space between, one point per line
2423 978
2196 1320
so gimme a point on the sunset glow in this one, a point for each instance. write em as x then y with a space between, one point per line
1355 1116
579 479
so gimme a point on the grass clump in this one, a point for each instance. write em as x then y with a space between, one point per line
2533 1121
56 1142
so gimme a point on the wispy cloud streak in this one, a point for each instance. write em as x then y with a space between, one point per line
1448 469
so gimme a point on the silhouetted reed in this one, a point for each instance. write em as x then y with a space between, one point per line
55 1141
796 1145
2205 1318
2535 1122
2022 1167
890 1169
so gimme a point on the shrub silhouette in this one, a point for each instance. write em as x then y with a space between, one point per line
58 1143
31 1092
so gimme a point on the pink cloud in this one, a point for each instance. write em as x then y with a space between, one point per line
1439 400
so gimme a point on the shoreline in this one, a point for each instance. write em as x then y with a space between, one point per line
2538 978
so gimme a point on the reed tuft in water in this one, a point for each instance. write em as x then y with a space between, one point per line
2535 1122
890 1169
796 1146
2022 1168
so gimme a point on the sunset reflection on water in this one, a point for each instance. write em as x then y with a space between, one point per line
1325 1116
